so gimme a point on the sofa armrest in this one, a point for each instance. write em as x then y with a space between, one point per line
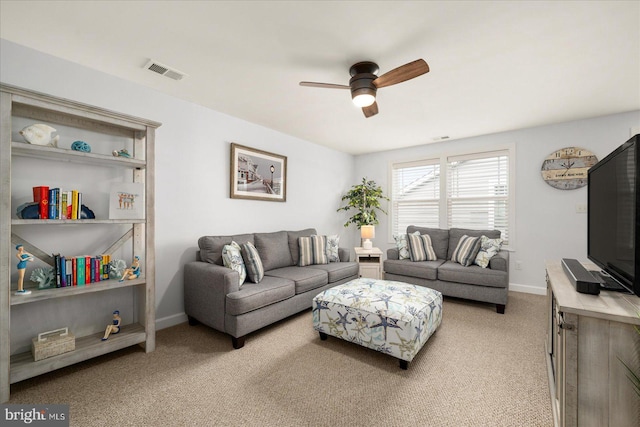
206 287
393 253
500 261
344 254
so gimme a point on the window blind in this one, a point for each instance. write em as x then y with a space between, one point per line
478 192
415 195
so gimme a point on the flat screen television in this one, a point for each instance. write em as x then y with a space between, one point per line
614 215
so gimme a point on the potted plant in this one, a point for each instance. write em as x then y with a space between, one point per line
365 199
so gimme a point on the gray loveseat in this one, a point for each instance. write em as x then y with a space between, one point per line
489 284
214 297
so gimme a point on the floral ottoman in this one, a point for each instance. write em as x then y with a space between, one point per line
390 317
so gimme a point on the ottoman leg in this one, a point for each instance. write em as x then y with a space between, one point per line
404 364
323 336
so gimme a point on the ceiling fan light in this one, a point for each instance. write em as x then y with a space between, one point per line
364 100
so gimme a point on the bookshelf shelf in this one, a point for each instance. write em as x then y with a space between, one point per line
61 155
69 291
23 366
107 129
75 221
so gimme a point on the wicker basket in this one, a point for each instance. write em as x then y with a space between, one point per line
52 343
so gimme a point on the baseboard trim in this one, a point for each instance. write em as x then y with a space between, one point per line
169 321
527 289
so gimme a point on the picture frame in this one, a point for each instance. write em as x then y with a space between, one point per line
126 200
257 174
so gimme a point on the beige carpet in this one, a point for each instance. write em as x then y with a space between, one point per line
479 369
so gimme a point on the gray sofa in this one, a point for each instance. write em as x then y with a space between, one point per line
489 284
213 296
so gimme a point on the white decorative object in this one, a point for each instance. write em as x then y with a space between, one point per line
40 134
52 343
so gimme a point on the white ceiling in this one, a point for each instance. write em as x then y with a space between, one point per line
495 65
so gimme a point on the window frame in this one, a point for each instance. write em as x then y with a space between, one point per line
444 158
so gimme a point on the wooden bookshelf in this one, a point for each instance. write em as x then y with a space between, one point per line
18 106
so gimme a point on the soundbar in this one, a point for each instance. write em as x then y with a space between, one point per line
580 278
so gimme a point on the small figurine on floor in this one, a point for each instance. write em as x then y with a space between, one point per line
23 257
132 272
114 328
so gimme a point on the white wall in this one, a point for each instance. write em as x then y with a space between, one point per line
192 166
547 225
192 173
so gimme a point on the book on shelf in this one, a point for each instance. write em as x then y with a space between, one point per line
56 269
106 267
41 196
63 272
63 204
74 204
80 270
87 270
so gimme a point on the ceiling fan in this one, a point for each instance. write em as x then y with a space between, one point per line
365 82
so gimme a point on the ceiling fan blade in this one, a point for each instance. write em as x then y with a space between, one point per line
371 110
403 73
324 85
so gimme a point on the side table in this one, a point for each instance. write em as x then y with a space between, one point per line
370 262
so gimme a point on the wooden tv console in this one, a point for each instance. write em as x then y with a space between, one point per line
587 338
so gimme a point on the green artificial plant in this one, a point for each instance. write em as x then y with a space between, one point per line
365 199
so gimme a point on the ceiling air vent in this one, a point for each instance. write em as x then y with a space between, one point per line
164 70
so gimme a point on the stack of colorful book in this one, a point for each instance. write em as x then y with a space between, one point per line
57 204
80 270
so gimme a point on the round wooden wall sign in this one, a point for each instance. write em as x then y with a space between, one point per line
566 168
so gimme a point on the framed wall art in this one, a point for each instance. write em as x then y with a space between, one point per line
257 174
126 200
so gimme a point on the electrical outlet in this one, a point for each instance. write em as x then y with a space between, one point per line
518 265
581 208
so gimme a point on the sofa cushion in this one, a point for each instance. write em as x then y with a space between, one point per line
422 269
466 250
402 246
333 246
305 278
273 249
456 233
473 275
292 237
253 296
232 258
420 248
488 249
338 270
313 250
211 246
255 269
439 239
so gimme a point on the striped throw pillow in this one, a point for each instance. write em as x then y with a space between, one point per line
467 250
252 262
313 250
420 247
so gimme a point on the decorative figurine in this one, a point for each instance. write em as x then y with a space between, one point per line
23 257
132 272
44 277
40 134
121 153
81 146
114 327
